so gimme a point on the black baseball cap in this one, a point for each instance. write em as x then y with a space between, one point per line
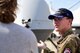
61 13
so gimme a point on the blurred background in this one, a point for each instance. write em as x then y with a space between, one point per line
33 14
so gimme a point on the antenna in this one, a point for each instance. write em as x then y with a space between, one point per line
74 4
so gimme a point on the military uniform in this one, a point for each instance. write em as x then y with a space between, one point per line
51 44
69 43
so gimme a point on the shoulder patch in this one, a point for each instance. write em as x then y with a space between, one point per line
67 50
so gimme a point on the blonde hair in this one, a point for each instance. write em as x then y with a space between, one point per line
7 10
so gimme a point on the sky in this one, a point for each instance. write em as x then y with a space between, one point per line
55 4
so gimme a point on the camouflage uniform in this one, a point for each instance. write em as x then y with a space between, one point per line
69 43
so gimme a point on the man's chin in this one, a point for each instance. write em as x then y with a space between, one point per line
56 29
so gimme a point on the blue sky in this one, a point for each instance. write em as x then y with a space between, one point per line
55 4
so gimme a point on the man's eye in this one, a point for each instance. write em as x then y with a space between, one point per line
59 19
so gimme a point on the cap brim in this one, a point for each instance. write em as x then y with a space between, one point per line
51 17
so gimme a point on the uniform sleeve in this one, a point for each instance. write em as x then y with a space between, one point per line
70 46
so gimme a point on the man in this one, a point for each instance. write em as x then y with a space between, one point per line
68 42
14 38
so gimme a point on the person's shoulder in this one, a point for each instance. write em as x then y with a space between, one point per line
22 29
73 36
25 31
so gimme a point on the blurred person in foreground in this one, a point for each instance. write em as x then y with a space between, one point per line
68 41
14 38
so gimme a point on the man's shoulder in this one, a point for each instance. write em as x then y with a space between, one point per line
73 36
70 38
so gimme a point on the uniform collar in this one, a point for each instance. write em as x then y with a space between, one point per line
68 32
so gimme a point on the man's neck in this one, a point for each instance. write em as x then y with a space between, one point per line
64 31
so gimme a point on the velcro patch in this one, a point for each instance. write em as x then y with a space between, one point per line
67 50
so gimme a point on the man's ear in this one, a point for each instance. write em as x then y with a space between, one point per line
70 20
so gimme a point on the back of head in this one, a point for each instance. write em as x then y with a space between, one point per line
7 10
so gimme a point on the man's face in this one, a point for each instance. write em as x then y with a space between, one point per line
61 23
